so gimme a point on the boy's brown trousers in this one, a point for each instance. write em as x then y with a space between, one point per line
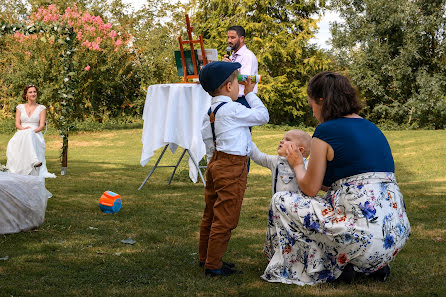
226 177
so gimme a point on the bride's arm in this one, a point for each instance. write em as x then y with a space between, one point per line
42 121
18 123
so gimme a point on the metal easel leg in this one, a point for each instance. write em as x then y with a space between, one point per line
198 168
153 168
176 166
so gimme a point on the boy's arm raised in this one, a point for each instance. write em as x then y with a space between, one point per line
258 114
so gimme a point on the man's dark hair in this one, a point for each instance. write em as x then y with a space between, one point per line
339 96
238 29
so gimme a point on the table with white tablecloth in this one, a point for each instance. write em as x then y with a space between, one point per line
173 115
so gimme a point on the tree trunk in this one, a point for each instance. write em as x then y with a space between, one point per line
63 170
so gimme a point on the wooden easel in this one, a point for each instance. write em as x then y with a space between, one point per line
192 52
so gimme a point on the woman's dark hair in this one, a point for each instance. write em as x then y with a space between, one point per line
25 90
340 97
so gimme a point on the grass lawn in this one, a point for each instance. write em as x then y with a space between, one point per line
78 250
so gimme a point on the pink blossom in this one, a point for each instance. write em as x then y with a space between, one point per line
87 18
95 46
87 44
20 36
86 27
53 8
98 20
118 43
79 35
112 34
87 68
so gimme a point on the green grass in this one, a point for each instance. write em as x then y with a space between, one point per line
78 250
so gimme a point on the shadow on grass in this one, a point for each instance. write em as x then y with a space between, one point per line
78 250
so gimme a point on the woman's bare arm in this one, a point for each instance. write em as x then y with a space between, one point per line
18 122
42 121
310 179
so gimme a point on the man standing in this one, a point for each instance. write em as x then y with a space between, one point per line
242 55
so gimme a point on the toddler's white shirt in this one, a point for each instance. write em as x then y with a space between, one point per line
286 177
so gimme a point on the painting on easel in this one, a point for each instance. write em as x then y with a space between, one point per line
211 56
190 61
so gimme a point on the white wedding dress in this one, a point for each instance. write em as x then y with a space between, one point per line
27 147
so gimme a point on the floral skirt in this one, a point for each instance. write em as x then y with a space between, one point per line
361 220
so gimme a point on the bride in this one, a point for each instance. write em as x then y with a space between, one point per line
26 149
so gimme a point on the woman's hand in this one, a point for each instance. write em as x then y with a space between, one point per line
294 156
310 179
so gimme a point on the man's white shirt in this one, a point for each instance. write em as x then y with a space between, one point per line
249 63
232 122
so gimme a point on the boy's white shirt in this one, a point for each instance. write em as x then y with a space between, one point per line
286 178
232 123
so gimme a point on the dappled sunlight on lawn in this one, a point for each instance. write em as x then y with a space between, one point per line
81 246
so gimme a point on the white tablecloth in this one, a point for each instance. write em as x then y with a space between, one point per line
173 114
23 200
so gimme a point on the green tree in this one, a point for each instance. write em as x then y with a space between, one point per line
278 32
156 29
106 84
395 52
83 66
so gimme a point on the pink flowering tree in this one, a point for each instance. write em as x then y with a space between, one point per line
82 65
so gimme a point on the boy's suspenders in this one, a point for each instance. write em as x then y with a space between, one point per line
212 120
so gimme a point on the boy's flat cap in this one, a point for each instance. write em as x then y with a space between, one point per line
214 74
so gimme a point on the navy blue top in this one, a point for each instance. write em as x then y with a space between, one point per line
359 146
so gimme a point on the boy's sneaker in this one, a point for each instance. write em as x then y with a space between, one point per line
223 271
227 264
381 274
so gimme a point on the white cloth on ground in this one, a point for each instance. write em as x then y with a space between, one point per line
172 115
27 147
23 200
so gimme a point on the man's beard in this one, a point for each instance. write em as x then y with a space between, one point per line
236 46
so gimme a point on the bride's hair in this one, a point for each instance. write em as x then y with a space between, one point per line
25 90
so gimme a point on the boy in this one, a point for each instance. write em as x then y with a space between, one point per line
283 176
227 138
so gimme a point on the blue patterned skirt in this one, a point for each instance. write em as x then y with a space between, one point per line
361 220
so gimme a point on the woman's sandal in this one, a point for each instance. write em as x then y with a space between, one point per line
381 274
348 274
